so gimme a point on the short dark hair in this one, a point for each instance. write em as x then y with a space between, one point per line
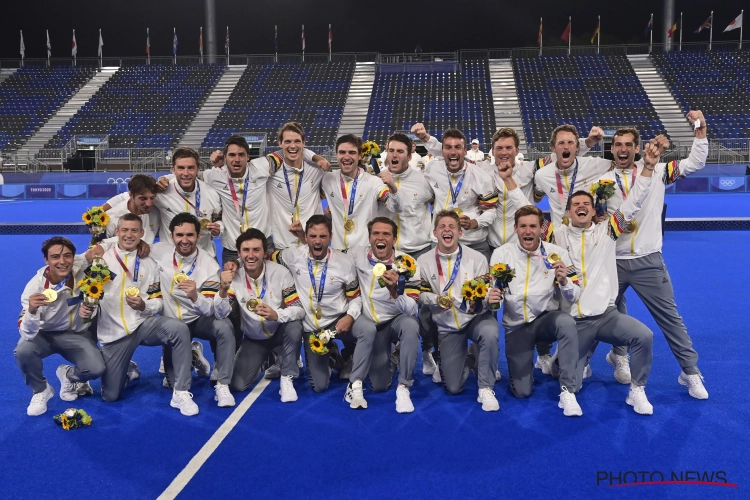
628 130
564 128
350 139
130 217
237 140
186 152
252 234
382 220
185 218
446 213
579 193
291 127
529 210
403 138
503 133
318 219
141 183
455 134
57 240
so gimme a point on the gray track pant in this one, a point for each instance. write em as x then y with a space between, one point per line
221 333
152 332
649 278
404 329
454 368
616 329
79 348
548 327
253 355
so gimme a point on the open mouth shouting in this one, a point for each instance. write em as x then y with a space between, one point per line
453 162
623 159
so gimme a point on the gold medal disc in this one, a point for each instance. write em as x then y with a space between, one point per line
444 301
631 227
349 225
252 304
459 212
318 313
204 224
50 294
132 291
552 258
565 220
180 277
378 269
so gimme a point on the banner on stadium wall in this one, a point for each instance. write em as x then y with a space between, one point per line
40 191
728 184
70 191
12 191
104 190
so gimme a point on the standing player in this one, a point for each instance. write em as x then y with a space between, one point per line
141 197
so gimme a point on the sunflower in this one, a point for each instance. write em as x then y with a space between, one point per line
87 218
316 345
83 284
467 293
104 218
498 268
95 290
481 291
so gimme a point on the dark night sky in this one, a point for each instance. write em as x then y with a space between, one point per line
386 26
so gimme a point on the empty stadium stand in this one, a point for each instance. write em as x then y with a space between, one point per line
718 83
31 95
440 95
584 90
269 95
144 106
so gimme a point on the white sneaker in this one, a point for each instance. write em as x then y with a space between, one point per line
200 363
39 400
68 390
184 401
569 404
223 396
288 394
587 371
543 363
638 400
273 371
355 396
403 400
694 383
428 363
621 364
133 371
161 365
84 389
214 375
487 397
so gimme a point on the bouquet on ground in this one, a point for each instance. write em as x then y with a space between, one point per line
92 285
319 341
72 419
96 219
370 153
473 293
602 191
405 266
503 274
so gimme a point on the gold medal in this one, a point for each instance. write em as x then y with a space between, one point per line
295 217
50 294
378 269
552 258
444 301
631 227
318 313
204 224
252 304
132 291
565 220
349 225
180 277
458 211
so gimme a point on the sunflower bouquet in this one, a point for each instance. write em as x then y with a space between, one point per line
73 419
96 219
319 341
370 153
406 267
92 285
503 274
602 191
474 292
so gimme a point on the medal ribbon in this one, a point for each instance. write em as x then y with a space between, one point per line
454 194
59 285
352 196
197 205
560 187
254 291
192 268
294 201
236 200
373 261
134 275
453 274
319 291
544 255
632 183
